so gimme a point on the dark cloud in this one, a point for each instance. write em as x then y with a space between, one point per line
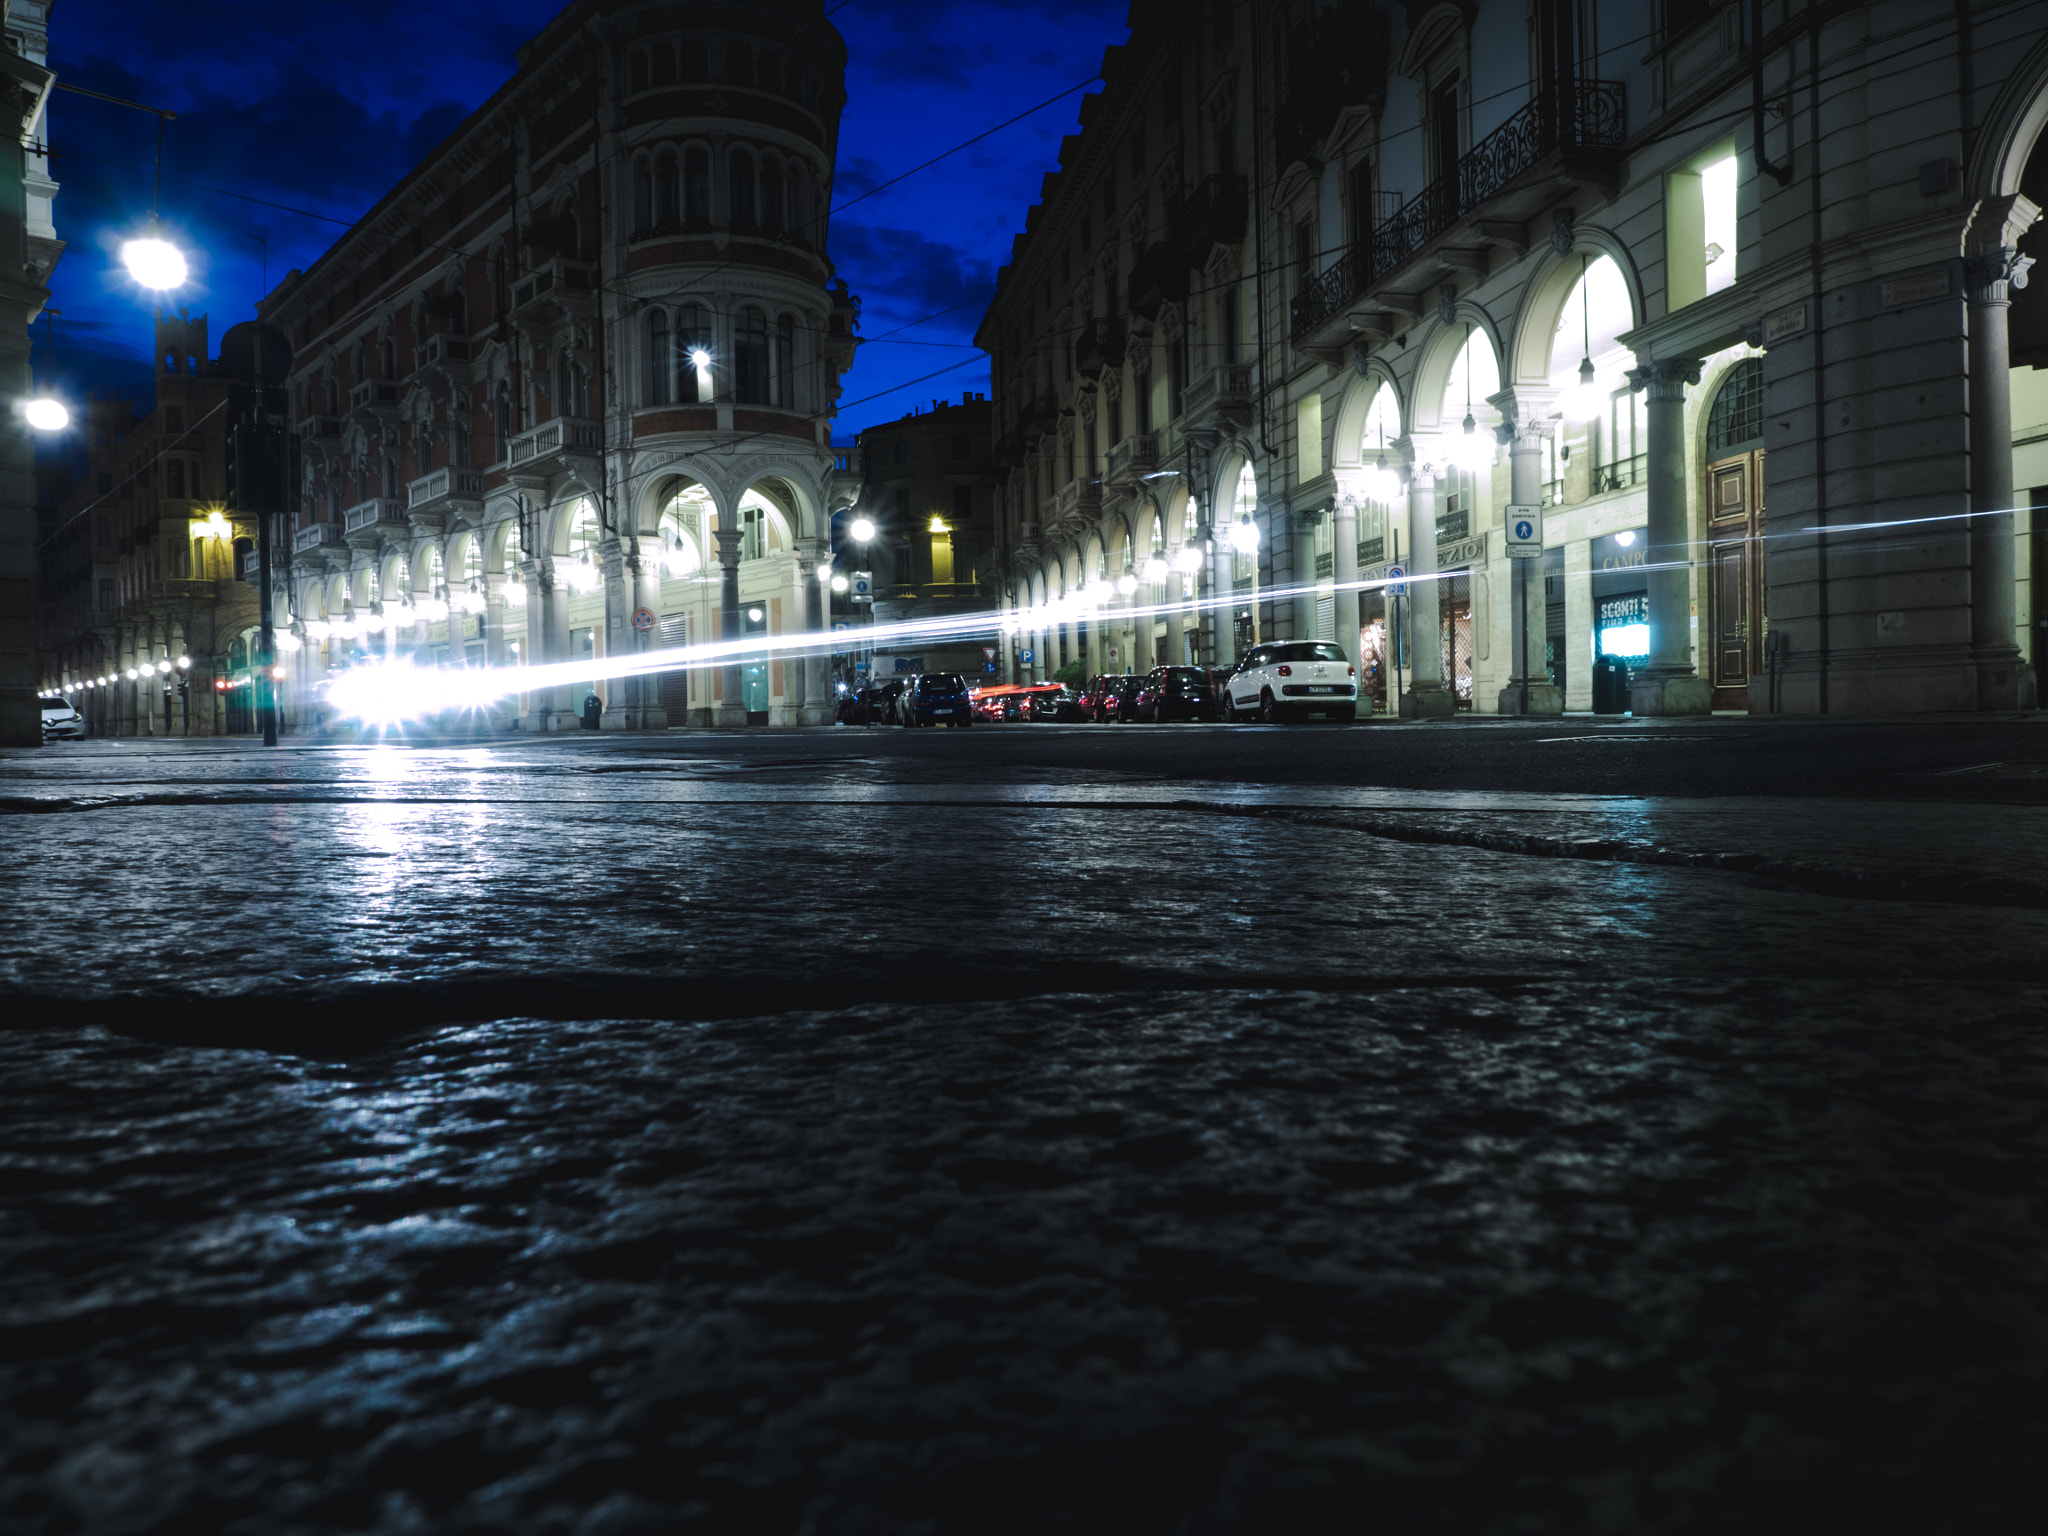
857 174
903 274
929 62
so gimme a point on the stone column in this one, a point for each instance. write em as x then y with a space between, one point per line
814 570
731 709
1425 697
1301 560
1344 533
1666 683
1524 426
1223 614
533 648
2004 680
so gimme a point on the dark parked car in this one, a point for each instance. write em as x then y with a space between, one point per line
1053 701
1177 693
1095 694
870 704
1120 699
935 698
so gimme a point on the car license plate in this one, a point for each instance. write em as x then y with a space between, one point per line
1321 688
945 709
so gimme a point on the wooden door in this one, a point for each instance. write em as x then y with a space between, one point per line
1735 577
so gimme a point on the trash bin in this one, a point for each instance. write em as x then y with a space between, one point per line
1610 686
593 711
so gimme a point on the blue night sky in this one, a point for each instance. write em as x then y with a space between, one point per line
323 108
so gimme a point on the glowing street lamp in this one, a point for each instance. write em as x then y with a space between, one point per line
861 530
1155 571
153 261
46 413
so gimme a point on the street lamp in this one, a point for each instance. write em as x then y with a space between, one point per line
861 530
153 261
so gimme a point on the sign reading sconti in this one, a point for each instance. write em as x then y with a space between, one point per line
1630 608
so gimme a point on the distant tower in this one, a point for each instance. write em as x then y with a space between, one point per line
180 344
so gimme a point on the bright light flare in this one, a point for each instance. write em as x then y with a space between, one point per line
154 263
861 529
46 414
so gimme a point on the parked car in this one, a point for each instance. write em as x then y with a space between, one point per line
935 698
1052 701
871 703
1120 699
1294 680
1093 697
1176 693
60 721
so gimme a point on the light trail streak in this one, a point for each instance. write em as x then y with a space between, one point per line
382 692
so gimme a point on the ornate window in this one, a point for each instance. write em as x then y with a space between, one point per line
659 357
771 195
750 360
693 337
740 210
665 188
697 185
1737 420
785 362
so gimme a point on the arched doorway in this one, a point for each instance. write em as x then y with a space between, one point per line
1734 456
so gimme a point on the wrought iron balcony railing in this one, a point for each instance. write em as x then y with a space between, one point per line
1585 114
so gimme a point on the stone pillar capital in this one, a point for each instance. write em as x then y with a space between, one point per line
1664 379
1998 222
1991 275
1524 408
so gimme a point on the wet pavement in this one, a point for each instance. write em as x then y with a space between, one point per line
1029 1129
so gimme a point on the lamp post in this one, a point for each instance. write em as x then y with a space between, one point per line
862 531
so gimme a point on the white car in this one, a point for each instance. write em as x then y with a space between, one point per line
60 721
1292 680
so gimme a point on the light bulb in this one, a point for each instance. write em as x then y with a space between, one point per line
1582 401
1189 560
1155 570
46 415
861 529
839 583
154 263
700 358
1244 536
1127 583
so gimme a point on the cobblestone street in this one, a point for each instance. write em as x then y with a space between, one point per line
1162 1129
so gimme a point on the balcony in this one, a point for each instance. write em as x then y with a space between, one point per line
552 446
1213 215
1100 345
554 290
445 353
251 565
366 525
1571 135
1078 502
312 542
1221 394
374 400
322 432
1134 458
433 499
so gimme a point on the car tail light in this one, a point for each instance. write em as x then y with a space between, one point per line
1351 671
1287 671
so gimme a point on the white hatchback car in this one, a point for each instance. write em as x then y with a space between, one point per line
1292 680
60 721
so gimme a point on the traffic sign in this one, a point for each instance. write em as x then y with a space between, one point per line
1525 532
643 619
1396 587
989 651
989 667
1027 657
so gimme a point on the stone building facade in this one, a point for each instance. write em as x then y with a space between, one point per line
146 618
1716 299
565 392
29 249
929 487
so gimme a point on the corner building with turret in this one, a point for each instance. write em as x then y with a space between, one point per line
566 392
